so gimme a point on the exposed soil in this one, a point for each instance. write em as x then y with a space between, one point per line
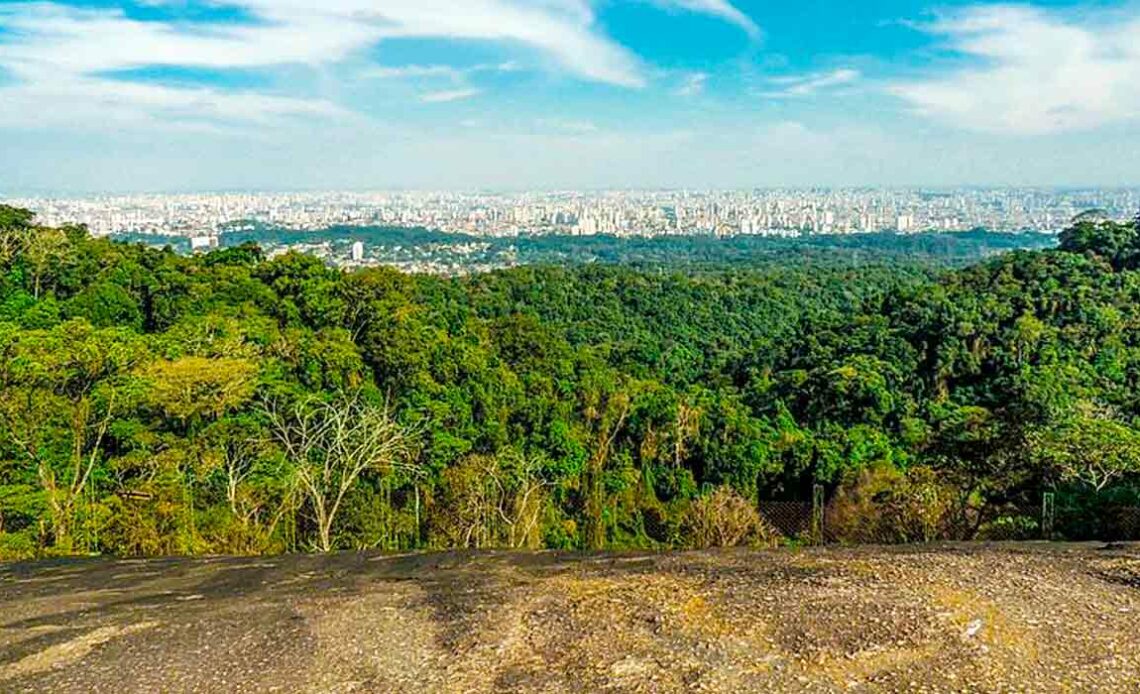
946 618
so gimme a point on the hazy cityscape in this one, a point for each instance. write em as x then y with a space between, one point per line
616 213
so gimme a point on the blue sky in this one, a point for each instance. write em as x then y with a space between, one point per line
495 94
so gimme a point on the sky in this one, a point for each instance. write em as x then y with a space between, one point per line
186 95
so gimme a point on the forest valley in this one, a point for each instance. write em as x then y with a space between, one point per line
153 403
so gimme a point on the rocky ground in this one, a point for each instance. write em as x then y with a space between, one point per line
955 618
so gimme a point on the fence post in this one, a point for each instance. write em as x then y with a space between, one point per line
817 514
1048 515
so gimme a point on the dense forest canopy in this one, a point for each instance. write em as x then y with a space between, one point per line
156 403
395 244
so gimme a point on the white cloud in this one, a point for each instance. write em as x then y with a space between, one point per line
453 73
806 85
570 127
449 95
1032 71
93 102
717 8
692 85
60 54
406 71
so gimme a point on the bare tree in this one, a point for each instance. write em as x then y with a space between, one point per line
520 502
331 444
22 416
610 420
494 501
686 427
258 511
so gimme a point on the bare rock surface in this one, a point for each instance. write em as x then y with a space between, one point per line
939 618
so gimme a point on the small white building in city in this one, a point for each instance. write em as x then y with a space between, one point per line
203 244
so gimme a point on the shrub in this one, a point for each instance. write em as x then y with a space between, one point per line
1010 527
724 518
885 505
17 546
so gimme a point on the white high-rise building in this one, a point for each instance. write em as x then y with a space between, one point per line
357 252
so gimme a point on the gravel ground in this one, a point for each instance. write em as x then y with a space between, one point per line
941 618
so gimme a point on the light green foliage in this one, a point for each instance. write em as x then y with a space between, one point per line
1090 445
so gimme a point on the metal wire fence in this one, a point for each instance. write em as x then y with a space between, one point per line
807 522
789 519
1013 522
1117 523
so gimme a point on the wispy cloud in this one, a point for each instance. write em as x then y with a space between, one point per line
1032 71
110 103
449 95
790 86
571 127
446 71
692 85
407 71
60 53
717 8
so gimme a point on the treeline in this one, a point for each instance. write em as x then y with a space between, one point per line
154 403
692 251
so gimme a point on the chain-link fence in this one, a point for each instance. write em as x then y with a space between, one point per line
789 519
808 522
1117 523
1013 522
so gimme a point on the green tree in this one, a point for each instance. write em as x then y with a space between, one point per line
1119 244
1090 446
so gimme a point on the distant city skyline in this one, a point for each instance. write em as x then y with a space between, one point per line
588 213
121 96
